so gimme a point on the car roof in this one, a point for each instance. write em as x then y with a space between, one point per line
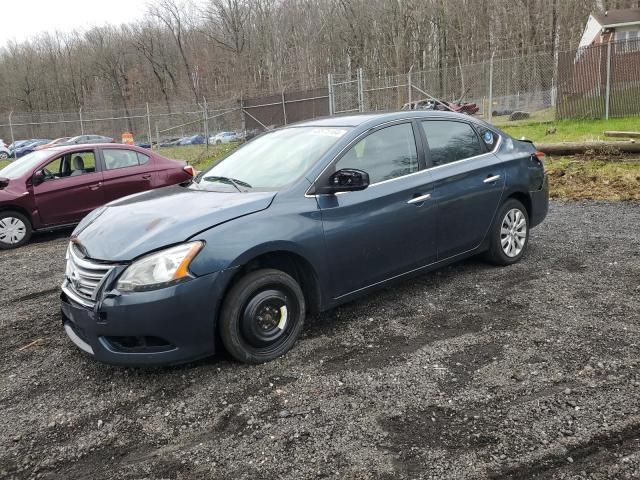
355 120
62 148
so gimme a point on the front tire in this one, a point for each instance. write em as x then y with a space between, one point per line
4 155
509 234
15 230
262 316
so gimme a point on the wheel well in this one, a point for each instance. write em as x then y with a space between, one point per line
14 208
524 199
293 265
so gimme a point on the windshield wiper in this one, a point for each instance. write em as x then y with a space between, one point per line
230 180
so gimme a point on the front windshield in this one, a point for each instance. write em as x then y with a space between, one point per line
272 160
26 164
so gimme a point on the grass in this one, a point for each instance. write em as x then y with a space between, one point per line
572 130
198 155
4 163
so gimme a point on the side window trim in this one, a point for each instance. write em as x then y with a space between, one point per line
430 164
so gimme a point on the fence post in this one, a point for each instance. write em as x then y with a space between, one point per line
13 140
409 86
206 122
360 91
243 119
81 121
608 90
149 126
157 138
284 108
330 90
490 114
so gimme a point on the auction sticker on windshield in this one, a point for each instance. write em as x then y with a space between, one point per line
328 132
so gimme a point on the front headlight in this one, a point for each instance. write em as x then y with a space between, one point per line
159 269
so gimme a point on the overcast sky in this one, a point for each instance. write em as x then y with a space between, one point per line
22 19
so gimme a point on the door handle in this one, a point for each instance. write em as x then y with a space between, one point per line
146 177
419 199
492 179
95 186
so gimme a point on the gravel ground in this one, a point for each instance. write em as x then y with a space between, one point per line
474 371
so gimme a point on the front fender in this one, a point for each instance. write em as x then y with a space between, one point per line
289 226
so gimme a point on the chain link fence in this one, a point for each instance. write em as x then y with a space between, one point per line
594 82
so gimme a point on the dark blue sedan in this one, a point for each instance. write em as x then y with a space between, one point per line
298 220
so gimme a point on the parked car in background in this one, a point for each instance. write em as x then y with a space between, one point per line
29 147
4 151
193 140
300 219
225 137
58 186
17 143
87 139
57 141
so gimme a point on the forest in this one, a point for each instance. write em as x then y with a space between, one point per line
183 51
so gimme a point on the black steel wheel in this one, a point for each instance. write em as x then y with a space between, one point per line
262 316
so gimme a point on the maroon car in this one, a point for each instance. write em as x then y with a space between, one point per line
58 186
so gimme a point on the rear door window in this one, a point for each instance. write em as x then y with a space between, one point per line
451 141
115 159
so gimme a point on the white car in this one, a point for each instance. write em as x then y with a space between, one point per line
4 150
224 137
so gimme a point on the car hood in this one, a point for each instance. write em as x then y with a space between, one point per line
127 228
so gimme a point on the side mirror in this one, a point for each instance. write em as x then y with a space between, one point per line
38 177
345 180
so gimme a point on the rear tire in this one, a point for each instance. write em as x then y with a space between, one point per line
262 316
509 234
15 230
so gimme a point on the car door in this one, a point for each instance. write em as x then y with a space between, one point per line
69 192
388 228
126 171
468 181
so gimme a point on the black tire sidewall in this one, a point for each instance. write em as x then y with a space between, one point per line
496 254
25 220
233 305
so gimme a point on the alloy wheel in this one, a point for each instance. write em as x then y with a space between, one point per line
12 230
513 233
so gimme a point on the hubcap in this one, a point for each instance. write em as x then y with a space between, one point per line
513 233
12 230
266 319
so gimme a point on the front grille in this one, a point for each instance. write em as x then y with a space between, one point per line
83 277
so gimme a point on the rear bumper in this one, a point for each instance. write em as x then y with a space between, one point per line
167 326
539 203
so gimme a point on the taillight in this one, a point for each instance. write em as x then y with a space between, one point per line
540 155
190 170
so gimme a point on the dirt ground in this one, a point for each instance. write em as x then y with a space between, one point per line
529 371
